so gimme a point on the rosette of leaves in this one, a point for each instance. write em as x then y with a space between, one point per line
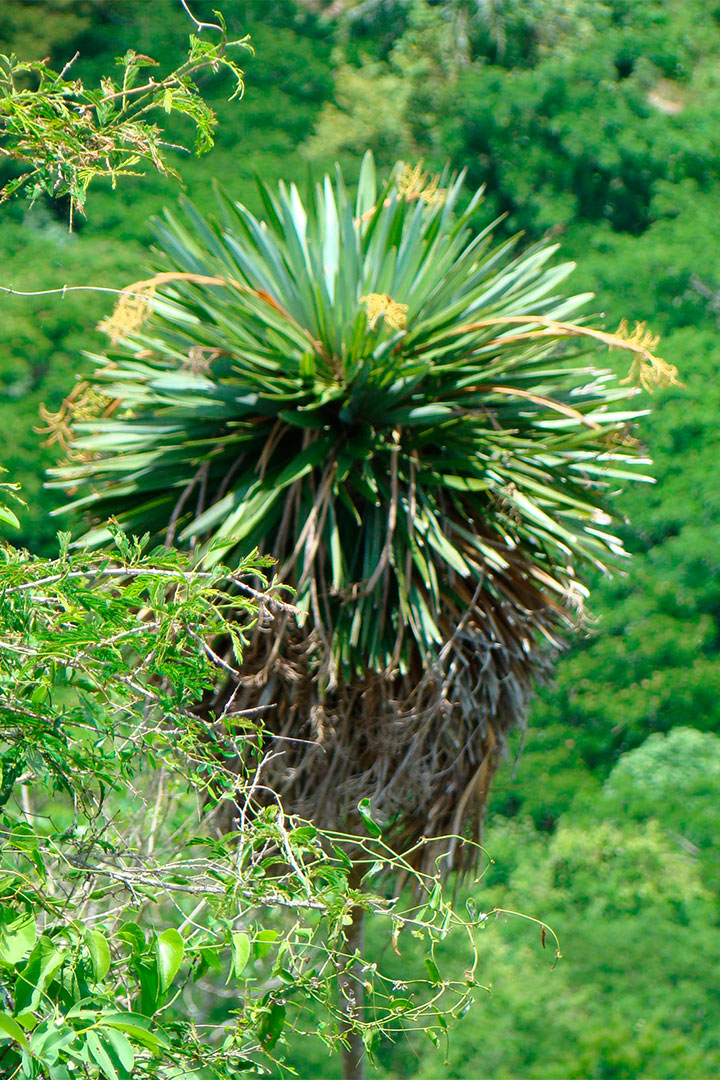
407 419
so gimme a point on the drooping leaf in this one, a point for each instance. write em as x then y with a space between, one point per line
241 949
365 811
271 1025
170 949
17 935
12 1030
137 1027
41 967
263 942
99 953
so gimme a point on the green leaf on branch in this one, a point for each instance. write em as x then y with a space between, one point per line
10 1029
169 951
271 1024
42 965
99 1054
137 1027
122 1048
365 811
17 935
99 953
433 971
263 942
241 948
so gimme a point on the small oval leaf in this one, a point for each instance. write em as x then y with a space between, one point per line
432 970
240 952
99 953
169 951
263 942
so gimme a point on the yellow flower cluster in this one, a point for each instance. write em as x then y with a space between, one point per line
379 304
133 302
84 403
130 311
640 336
91 404
647 370
413 183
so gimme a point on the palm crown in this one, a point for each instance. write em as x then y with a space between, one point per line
405 417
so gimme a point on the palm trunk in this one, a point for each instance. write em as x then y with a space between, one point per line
352 999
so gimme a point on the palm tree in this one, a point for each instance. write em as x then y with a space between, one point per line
406 418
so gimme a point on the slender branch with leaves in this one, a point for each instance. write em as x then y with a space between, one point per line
128 921
60 135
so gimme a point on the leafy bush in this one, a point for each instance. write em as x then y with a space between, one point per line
673 778
122 908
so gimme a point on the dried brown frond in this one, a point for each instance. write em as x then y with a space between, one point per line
91 404
426 740
641 337
134 302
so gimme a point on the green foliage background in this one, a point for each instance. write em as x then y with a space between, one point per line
596 123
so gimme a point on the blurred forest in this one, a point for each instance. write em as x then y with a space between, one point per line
595 122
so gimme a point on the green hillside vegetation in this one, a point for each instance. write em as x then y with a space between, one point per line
597 125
